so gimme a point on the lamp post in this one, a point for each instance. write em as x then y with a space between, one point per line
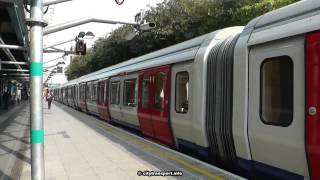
36 24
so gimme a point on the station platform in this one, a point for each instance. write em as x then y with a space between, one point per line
14 140
79 146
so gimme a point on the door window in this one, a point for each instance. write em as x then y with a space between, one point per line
88 90
182 92
105 92
276 107
94 92
159 90
81 92
129 93
101 92
145 91
115 92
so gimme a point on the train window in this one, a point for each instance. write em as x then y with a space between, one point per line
115 92
182 92
84 91
105 92
276 92
81 92
91 92
159 90
101 92
88 92
145 91
84 95
129 93
94 92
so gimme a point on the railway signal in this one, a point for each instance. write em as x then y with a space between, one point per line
81 47
59 69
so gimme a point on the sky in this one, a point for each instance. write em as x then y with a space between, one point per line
76 9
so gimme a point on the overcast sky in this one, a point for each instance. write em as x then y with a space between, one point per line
106 9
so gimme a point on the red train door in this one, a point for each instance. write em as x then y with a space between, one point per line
153 105
102 100
313 103
144 103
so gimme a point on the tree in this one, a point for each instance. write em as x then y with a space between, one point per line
177 21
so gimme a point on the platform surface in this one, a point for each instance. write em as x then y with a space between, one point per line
82 147
14 140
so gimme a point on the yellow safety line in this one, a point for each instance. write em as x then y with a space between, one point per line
167 155
195 168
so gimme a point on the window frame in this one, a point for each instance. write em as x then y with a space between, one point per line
175 92
260 91
94 91
124 91
149 91
81 92
118 93
154 92
88 91
101 88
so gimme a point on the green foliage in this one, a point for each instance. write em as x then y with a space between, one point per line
249 9
177 21
78 66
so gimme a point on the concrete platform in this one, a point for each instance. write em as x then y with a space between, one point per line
14 140
79 146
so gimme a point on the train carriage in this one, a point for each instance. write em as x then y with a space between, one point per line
242 98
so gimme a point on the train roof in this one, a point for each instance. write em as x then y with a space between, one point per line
177 53
72 82
288 12
184 46
291 20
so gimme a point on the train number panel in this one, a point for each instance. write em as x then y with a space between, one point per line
153 104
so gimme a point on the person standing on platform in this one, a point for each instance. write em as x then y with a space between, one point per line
49 99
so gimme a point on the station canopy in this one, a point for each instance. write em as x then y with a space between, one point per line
13 31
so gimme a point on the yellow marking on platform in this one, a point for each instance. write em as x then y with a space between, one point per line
150 148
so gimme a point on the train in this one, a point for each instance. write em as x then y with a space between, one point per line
242 98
